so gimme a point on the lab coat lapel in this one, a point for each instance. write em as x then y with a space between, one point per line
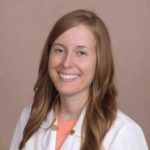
49 140
73 142
49 137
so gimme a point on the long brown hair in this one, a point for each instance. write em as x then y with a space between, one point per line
101 107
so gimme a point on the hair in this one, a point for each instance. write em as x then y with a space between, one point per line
102 106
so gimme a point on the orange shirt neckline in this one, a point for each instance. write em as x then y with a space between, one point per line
64 128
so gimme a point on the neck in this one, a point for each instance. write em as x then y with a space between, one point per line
71 106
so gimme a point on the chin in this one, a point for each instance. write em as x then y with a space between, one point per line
67 92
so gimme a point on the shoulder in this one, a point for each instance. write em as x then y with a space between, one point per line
125 133
25 114
24 117
18 133
122 121
26 110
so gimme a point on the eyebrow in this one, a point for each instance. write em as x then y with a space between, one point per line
78 46
55 44
81 46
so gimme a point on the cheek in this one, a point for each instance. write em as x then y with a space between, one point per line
90 65
90 70
50 66
50 70
52 62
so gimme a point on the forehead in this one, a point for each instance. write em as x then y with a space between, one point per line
81 35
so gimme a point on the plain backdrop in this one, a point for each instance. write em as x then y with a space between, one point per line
24 27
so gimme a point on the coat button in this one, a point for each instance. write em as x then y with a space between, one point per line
54 127
72 132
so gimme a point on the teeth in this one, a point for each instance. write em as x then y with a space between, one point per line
68 76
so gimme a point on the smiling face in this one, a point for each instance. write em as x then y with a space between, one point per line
72 61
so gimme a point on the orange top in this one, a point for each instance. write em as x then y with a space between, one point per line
64 128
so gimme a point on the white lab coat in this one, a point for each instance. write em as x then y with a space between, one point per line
124 134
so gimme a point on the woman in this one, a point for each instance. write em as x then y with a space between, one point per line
75 104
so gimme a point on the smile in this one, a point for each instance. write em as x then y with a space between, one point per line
68 77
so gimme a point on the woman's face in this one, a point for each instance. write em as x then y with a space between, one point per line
72 61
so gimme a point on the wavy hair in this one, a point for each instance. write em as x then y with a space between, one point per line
102 105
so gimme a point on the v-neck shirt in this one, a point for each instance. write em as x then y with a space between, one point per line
64 129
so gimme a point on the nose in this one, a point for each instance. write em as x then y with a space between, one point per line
67 61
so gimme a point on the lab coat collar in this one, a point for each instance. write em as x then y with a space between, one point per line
78 126
51 119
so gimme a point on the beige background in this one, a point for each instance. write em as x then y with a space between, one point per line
24 26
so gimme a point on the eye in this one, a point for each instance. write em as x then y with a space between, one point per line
59 50
82 53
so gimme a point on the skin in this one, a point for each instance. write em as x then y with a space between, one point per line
72 63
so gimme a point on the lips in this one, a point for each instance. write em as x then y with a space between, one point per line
68 77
